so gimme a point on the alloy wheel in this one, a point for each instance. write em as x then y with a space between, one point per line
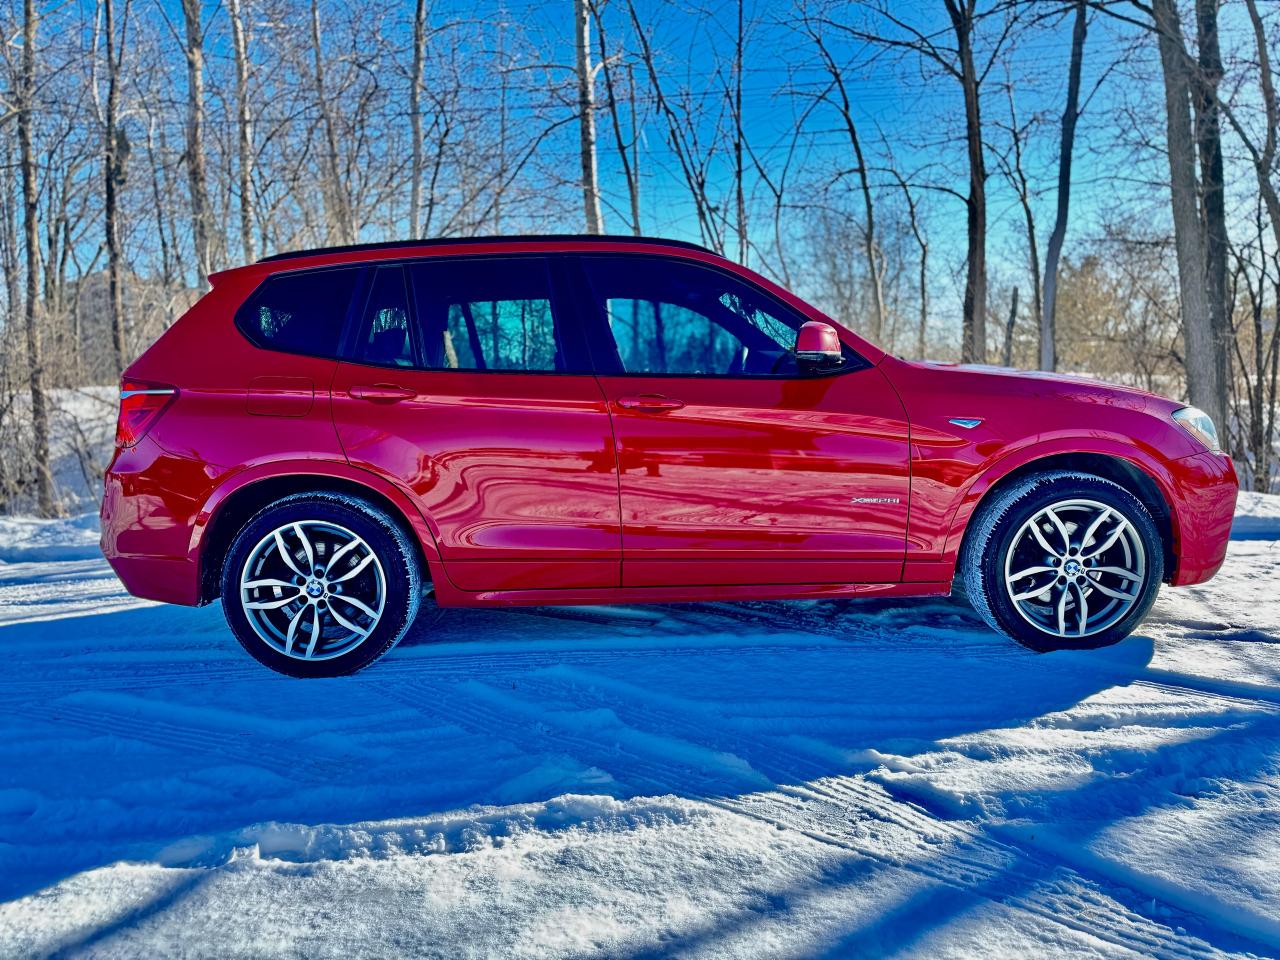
1075 568
313 590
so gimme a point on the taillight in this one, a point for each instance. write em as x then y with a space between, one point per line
140 404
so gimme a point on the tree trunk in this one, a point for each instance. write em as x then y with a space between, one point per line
1006 355
738 186
1203 385
973 348
338 221
200 219
922 331
415 117
244 128
31 230
1213 200
587 117
1022 187
1048 321
115 150
630 171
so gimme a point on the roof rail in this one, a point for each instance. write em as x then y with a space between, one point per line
516 238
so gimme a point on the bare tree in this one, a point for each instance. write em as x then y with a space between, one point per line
961 63
1013 166
338 220
694 162
1006 353
244 126
415 115
1258 345
1262 152
837 94
1257 351
1212 187
201 224
627 152
25 106
586 116
1204 384
1066 147
974 342
923 243
115 154
739 188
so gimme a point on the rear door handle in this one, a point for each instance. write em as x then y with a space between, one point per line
382 393
649 402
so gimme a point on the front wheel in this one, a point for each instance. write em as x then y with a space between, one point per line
1062 560
320 585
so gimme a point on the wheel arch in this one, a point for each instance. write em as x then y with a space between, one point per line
1135 477
232 504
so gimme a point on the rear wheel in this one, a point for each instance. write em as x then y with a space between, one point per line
1062 560
320 585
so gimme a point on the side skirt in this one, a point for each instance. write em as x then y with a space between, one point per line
449 596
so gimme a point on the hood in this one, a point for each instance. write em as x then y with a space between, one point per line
1069 384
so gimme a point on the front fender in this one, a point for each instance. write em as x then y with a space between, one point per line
1134 453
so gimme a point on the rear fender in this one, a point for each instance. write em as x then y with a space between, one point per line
298 472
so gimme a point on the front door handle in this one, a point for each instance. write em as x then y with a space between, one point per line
382 393
649 402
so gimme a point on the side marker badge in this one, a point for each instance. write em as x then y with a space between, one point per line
967 422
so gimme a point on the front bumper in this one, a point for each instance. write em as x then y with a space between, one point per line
1204 504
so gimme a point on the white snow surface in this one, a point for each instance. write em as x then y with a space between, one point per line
707 780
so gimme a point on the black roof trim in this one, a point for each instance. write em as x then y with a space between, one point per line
453 241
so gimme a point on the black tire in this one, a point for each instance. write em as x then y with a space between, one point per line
998 526
396 561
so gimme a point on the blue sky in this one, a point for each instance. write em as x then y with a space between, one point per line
898 99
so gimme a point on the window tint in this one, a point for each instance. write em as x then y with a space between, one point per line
384 337
674 318
491 314
299 312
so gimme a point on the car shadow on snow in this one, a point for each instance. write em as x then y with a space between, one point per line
141 734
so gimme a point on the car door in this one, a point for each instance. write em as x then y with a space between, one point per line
735 465
464 379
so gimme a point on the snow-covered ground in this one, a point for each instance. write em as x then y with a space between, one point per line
769 779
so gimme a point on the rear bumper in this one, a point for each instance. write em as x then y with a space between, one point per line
147 523
1204 503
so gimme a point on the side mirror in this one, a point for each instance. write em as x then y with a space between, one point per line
818 344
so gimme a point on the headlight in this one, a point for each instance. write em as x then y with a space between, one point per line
1197 423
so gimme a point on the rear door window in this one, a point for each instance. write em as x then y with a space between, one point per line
493 314
300 312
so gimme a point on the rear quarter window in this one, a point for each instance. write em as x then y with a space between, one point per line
299 312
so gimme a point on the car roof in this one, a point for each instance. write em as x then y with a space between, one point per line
541 239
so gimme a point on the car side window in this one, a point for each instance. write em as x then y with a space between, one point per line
668 317
384 336
300 312
488 314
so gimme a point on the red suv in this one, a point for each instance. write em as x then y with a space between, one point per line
327 436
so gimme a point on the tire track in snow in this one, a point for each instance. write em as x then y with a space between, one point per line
249 747
886 801
994 871
953 854
487 711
